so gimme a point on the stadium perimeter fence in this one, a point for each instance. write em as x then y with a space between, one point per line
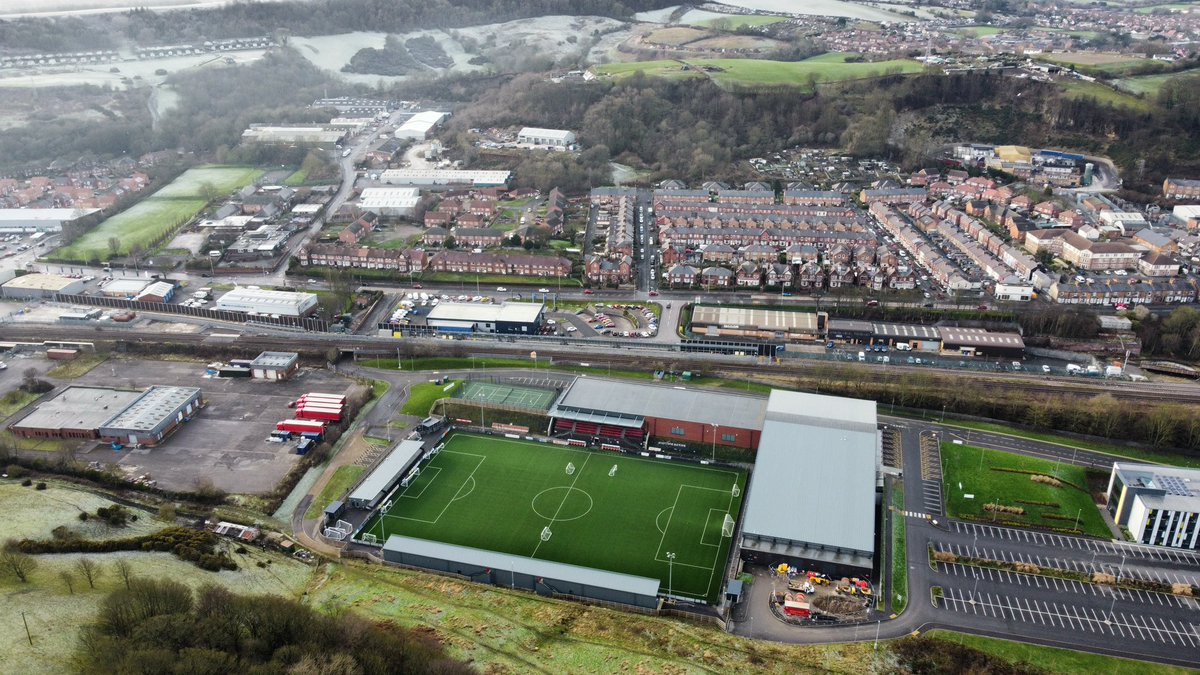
459 392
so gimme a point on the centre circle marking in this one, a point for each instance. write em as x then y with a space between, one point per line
566 507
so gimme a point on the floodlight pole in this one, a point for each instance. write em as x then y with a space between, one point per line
670 572
715 426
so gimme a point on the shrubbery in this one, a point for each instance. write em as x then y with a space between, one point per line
196 546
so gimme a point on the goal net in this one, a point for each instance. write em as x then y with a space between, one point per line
370 539
737 491
613 470
546 533
727 526
570 468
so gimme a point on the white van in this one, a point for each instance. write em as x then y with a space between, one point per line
862 356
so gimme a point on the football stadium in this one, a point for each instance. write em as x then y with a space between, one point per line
671 522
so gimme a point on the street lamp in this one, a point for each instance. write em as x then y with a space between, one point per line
715 426
670 571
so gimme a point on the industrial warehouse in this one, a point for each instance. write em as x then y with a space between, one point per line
112 415
253 301
521 318
811 500
779 327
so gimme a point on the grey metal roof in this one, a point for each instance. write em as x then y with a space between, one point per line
754 317
814 474
1162 487
586 576
154 406
388 471
906 331
978 337
274 359
589 396
517 312
78 408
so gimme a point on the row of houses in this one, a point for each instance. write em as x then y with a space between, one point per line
415 261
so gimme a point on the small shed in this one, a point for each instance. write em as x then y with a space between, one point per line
334 511
274 365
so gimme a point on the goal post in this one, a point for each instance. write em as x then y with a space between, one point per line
613 470
737 491
370 538
727 526
570 468
546 533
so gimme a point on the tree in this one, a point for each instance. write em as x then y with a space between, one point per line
90 570
124 570
68 579
16 563
166 512
114 245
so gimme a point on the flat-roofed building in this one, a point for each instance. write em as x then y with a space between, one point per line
1159 505
37 285
76 412
913 336
395 202
314 135
274 365
980 342
812 498
41 220
757 323
523 318
556 138
421 125
152 416
445 178
259 301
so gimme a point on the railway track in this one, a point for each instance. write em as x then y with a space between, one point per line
319 345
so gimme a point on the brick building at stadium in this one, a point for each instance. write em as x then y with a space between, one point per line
629 415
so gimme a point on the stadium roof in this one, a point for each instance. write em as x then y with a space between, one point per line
747 317
515 312
387 473
78 408
585 576
595 400
151 408
813 484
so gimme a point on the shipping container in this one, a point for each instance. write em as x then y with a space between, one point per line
311 434
339 398
61 354
320 404
301 426
228 371
304 446
321 407
318 414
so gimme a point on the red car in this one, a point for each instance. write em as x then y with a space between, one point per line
588 291
654 294
418 286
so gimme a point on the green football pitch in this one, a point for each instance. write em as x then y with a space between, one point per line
613 511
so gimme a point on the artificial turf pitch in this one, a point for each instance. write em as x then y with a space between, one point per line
499 493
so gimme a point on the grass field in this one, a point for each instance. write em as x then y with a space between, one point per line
675 36
150 219
736 21
77 367
14 400
1102 93
212 180
341 480
502 394
1150 84
1053 660
899 554
422 396
499 494
978 31
831 67
968 470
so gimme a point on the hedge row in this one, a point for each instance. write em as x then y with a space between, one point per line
195 546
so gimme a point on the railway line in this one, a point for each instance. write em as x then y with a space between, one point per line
632 357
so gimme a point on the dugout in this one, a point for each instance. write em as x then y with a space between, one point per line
386 475
540 576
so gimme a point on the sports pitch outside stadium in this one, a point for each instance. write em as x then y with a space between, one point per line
503 394
604 510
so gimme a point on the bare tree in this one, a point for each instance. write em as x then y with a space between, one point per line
19 564
68 579
124 570
90 570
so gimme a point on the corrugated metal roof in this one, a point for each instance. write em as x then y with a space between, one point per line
152 408
591 396
387 472
542 568
516 312
754 317
814 474
978 337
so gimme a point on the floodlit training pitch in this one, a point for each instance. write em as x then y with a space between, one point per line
502 394
502 494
